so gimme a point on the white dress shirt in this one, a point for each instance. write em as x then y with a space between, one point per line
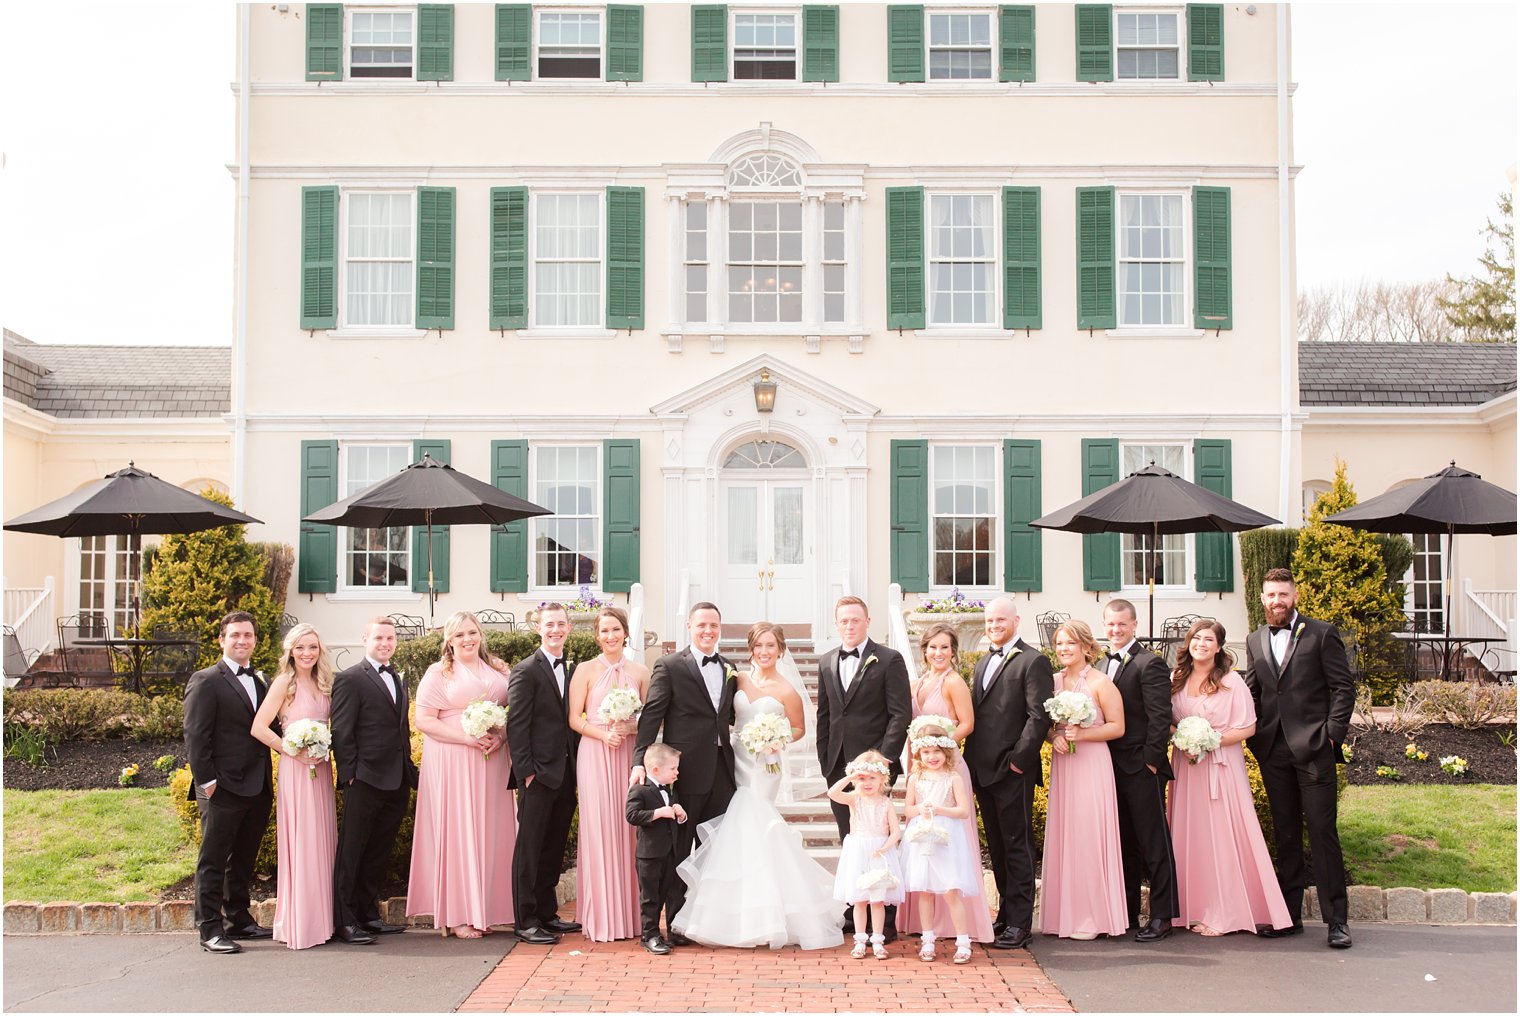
849 666
1282 639
1113 665
995 663
557 668
712 675
389 680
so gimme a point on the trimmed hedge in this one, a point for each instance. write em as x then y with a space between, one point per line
414 656
93 714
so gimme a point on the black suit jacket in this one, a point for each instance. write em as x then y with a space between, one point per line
539 737
656 836
371 734
1308 700
1010 716
1145 685
218 718
874 713
678 701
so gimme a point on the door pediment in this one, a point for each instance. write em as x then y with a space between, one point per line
796 383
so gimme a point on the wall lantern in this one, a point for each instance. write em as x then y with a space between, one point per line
765 393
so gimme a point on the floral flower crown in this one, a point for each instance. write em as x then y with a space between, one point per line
858 767
917 727
920 743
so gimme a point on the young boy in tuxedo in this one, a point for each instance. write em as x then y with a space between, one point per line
653 807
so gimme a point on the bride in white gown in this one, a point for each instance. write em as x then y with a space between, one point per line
750 882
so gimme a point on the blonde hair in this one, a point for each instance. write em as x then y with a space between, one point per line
870 761
928 730
323 671
446 654
1082 635
659 753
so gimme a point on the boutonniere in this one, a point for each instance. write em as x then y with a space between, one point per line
1299 630
1124 659
869 660
729 673
260 675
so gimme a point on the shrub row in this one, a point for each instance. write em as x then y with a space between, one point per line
93 714
414 656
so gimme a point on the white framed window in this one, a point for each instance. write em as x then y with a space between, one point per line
960 46
1172 565
764 47
567 260
695 266
105 585
1424 596
569 43
1148 45
835 265
379 248
963 515
566 546
765 262
1153 254
1312 489
373 559
962 259
382 42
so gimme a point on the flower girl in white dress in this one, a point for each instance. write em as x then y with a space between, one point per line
937 856
870 873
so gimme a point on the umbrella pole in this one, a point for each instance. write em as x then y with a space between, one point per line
429 515
1151 572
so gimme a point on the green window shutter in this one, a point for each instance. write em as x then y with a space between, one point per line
438 448
1215 551
435 42
1211 257
1016 43
435 257
324 42
317 570
1100 551
905 42
820 42
625 42
1021 505
509 257
1021 257
625 257
319 257
1096 303
905 257
1205 32
1095 42
514 32
620 518
509 542
910 515
709 42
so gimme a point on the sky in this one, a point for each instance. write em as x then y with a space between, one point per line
116 130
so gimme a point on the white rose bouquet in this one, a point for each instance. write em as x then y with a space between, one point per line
481 717
311 736
1196 737
619 705
1072 707
765 736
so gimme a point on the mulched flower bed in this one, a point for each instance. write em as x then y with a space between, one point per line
95 765
1489 760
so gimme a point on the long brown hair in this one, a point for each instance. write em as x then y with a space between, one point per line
941 628
323 671
1184 666
446 654
760 628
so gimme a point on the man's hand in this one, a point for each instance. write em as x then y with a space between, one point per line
636 776
1015 768
210 789
528 782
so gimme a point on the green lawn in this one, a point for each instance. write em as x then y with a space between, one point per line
106 846
1430 836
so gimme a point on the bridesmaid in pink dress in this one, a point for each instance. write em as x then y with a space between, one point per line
466 822
607 886
1082 878
943 692
1225 880
305 818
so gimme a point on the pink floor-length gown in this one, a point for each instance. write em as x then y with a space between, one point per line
1224 873
466 819
607 884
978 913
306 836
1082 877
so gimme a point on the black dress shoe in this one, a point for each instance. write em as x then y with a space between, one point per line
1340 937
1267 931
250 931
657 945
534 935
381 928
889 937
998 928
675 938
560 927
353 935
1154 930
220 944
1012 938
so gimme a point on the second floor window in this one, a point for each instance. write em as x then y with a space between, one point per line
962 259
380 44
570 44
378 259
960 46
1152 260
567 260
1148 46
765 261
765 47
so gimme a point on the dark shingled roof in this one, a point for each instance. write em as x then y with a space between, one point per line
1403 373
95 381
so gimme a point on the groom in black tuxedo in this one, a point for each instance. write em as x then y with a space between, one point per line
863 703
691 695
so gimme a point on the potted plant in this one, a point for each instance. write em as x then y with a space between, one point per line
957 610
582 609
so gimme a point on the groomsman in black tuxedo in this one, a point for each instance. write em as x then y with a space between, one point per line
1008 692
543 751
1141 771
231 783
1301 683
691 695
372 747
863 703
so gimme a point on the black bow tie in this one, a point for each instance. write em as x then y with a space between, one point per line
1116 656
710 659
245 670
849 652
560 663
1275 628
996 651
386 668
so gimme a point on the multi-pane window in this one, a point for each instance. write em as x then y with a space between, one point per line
960 46
695 266
566 544
1423 596
962 259
374 558
765 47
378 259
833 261
765 261
567 260
1148 47
570 44
963 489
1171 553
1152 259
105 585
380 44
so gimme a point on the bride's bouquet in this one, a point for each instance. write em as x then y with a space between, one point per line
1196 737
1072 707
619 705
311 736
765 736
481 717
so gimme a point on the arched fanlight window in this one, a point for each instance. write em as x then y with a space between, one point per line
765 172
765 455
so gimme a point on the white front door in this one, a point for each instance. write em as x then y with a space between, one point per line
767 554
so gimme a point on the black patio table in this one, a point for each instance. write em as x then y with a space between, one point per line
136 651
1448 647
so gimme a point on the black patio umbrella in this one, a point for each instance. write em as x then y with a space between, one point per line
427 493
1151 502
1455 500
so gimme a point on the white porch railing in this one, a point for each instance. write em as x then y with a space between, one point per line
683 607
30 613
636 621
1490 613
897 629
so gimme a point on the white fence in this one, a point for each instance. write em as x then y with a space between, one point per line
30 613
1490 613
